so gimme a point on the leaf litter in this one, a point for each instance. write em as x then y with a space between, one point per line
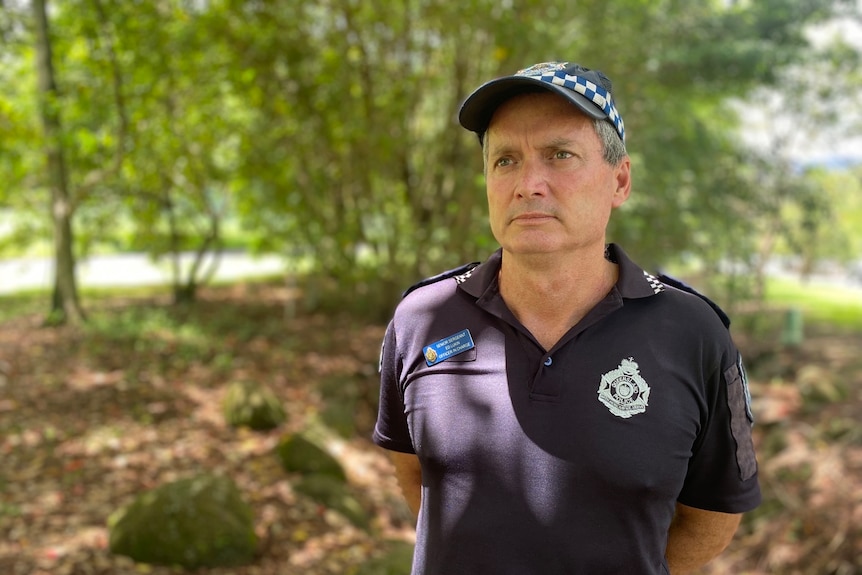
90 417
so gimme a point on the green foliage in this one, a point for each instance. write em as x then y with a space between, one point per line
20 305
196 522
299 454
149 330
824 224
252 405
327 129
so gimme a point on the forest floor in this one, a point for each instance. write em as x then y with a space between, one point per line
92 416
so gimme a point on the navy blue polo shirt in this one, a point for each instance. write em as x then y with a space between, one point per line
568 460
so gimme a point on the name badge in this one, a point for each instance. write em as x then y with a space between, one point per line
448 347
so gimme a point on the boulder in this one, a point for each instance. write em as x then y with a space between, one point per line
397 560
334 494
299 454
195 522
252 405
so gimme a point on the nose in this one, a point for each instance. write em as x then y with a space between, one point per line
532 179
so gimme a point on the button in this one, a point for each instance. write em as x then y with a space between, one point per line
548 362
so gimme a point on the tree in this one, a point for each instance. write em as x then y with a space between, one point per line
328 130
65 304
150 135
375 177
180 170
21 164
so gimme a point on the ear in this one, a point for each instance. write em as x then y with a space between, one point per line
623 178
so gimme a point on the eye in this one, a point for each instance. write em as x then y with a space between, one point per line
503 162
562 155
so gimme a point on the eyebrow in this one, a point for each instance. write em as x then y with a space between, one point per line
560 143
553 144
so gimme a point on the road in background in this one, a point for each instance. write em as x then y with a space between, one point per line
132 270
127 270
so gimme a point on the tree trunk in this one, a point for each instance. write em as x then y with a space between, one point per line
65 306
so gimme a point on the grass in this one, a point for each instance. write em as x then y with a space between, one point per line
819 303
21 304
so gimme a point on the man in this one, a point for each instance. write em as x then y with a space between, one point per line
556 409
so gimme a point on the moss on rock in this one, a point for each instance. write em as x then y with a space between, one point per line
397 560
252 405
334 494
298 454
195 522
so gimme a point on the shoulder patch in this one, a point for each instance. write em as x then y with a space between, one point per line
460 274
679 284
739 403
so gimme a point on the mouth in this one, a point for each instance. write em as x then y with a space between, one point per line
532 218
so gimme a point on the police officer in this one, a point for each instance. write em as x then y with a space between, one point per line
557 409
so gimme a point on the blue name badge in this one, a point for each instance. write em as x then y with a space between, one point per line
448 347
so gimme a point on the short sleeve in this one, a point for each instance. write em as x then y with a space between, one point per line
722 473
391 430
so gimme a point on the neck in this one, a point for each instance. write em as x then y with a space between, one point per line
550 294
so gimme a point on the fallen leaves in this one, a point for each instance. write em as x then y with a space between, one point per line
87 421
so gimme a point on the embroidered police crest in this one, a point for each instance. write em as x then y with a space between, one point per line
623 391
543 68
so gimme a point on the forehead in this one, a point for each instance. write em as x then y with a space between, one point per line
538 113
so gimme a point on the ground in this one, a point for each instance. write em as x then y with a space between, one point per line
89 417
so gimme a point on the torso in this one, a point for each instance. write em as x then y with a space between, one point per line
553 450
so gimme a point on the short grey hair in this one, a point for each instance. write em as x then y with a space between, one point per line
613 148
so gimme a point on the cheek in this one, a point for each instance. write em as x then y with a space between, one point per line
495 200
496 212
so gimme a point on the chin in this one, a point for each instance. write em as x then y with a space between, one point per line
532 248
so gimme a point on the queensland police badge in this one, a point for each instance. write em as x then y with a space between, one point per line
623 391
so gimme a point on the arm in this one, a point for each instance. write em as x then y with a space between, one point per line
409 474
696 536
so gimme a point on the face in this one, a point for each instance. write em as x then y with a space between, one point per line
549 189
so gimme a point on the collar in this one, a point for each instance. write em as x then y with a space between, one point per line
633 282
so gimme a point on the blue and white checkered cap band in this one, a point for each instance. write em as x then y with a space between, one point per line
591 91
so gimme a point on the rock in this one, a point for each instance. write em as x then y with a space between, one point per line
341 403
397 560
252 405
196 522
340 415
333 494
298 454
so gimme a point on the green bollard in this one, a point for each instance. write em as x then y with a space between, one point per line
792 334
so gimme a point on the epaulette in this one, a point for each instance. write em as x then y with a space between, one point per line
439 277
681 285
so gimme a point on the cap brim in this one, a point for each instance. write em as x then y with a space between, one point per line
479 107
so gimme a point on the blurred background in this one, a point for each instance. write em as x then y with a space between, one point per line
197 195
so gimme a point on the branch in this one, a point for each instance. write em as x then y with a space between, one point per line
96 177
